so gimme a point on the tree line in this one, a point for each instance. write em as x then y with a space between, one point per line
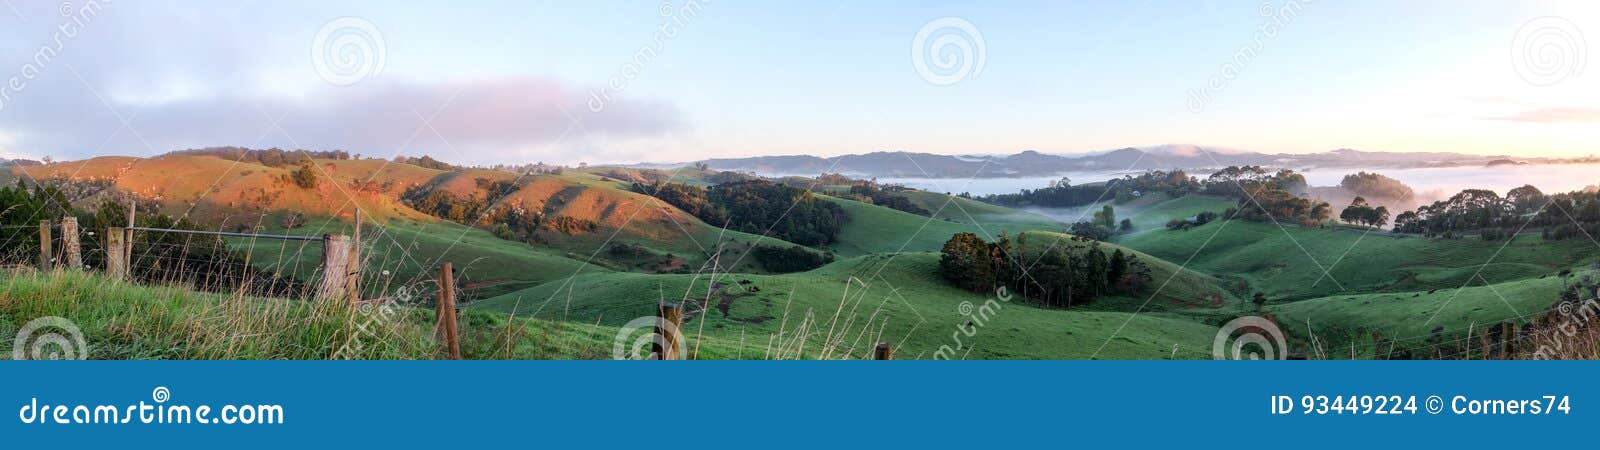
1491 216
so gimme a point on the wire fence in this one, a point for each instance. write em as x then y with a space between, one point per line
264 265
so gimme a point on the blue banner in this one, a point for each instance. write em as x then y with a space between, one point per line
991 404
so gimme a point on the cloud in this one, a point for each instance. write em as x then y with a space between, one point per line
480 121
1553 115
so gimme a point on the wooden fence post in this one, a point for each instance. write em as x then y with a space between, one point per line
669 320
116 253
335 268
1508 337
69 244
884 352
447 331
45 255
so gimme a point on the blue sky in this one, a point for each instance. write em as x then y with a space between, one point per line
487 82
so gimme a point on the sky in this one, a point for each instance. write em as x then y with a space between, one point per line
485 82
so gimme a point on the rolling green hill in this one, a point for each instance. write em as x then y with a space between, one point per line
876 229
1288 262
843 308
1412 318
410 252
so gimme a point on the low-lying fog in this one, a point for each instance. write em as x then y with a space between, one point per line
1429 184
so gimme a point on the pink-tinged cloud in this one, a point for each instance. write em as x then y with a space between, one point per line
477 121
1554 115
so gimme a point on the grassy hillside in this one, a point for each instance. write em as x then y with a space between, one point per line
1288 263
410 251
671 240
214 190
860 301
1412 318
876 229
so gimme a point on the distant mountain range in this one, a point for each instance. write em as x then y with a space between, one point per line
1033 163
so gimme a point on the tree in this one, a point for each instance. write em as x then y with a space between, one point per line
305 176
1127 225
1379 216
1525 199
1360 213
1260 300
964 260
1107 217
1117 267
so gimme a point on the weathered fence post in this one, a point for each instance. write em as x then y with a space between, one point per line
447 331
69 244
884 352
116 253
45 255
335 268
665 344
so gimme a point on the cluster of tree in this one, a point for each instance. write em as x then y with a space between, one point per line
1246 181
756 206
1490 216
1377 186
538 168
1279 206
1359 212
689 198
1063 194
1470 210
305 176
21 209
1266 196
425 162
791 214
204 262
886 196
1102 227
272 157
474 210
443 204
1203 218
789 259
1061 277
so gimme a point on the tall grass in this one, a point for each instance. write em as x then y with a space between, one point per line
120 320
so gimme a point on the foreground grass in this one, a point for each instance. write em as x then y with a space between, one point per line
125 321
